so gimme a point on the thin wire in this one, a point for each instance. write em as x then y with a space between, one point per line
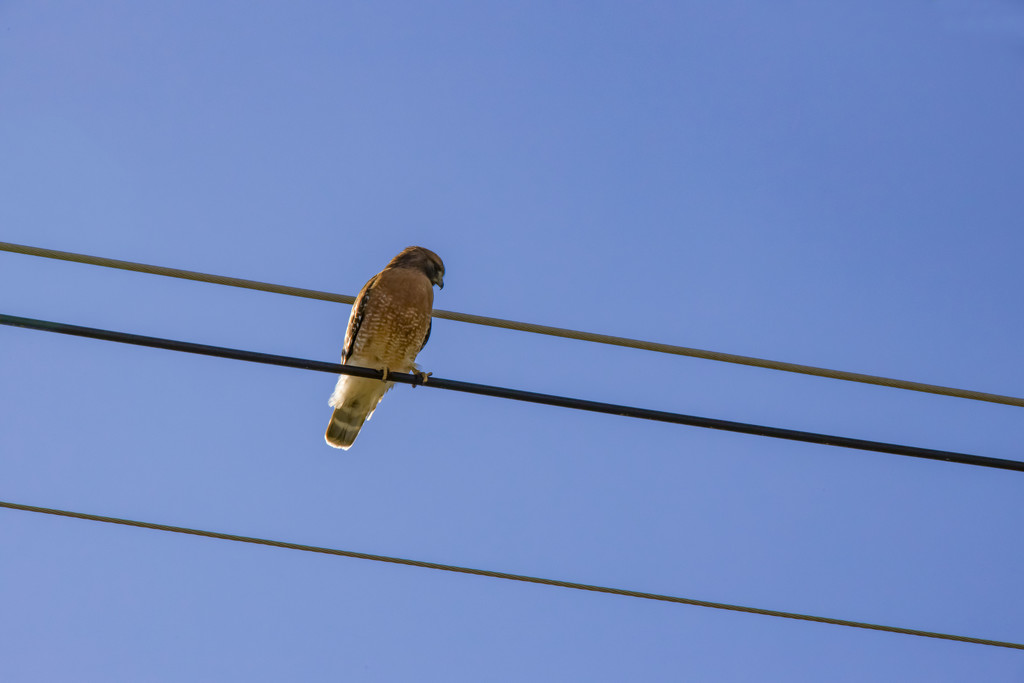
507 576
515 394
525 327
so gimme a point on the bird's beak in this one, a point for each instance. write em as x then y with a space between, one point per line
439 281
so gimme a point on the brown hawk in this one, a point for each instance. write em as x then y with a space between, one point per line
389 324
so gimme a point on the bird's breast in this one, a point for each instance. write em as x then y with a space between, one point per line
395 321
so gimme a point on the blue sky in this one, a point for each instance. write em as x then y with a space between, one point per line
834 184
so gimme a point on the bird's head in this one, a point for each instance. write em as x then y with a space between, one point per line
422 259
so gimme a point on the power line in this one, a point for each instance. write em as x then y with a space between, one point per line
507 576
515 394
525 327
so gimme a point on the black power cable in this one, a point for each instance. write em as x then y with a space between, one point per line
516 394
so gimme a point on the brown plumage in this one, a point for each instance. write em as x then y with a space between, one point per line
389 324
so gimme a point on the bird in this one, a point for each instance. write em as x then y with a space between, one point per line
389 324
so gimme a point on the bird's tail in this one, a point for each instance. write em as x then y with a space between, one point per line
344 427
354 400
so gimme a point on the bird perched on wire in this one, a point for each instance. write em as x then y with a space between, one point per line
389 324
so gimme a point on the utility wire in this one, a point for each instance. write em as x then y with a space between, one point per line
515 394
525 327
507 576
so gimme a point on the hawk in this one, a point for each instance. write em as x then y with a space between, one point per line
389 324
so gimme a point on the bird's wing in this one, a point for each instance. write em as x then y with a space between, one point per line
426 337
355 320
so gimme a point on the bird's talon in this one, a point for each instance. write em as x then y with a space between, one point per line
422 377
384 375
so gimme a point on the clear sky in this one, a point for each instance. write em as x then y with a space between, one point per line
828 183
